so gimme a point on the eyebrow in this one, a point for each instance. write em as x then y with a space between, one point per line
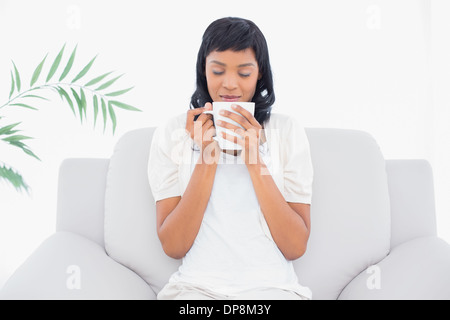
240 66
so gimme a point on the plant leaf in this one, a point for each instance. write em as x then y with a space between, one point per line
118 93
17 77
83 102
55 64
85 70
17 137
34 96
7 129
95 109
16 140
98 79
13 85
105 115
14 178
69 64
64 94
112 115
107 84
30 153
79 103
37 71
23 105
124 106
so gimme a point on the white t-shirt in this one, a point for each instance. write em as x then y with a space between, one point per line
234 250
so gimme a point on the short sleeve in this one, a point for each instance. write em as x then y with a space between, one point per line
298 169
162 168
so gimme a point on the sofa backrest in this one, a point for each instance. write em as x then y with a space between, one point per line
130 213
349 213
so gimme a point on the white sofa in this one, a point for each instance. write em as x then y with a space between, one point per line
373 228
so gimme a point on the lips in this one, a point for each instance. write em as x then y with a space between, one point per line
229 98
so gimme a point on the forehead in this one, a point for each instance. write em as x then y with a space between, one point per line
232 58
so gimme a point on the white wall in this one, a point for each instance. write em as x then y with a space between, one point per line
378 66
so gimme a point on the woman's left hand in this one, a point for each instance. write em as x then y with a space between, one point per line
250 134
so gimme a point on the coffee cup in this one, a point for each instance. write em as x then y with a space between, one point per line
225 144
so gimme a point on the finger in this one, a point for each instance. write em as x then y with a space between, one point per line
194 112
233 139
204 117
252 131
241 132
232 127
209 132
236 118
227 125
246 114
208 124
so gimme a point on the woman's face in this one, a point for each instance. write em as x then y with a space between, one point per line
232 75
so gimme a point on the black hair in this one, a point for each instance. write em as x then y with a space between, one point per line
236 34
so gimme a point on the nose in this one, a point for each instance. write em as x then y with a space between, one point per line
230 82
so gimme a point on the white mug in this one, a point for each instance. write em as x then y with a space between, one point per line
222 105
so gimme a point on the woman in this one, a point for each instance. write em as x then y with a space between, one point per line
237 219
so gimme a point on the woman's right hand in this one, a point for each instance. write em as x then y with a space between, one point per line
201 130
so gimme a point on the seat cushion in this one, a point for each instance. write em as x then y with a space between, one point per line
69 266
416 270
350 212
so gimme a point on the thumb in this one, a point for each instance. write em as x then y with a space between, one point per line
208 106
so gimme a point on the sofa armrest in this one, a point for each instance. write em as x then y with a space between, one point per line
69 266
81 197
411 193
413 270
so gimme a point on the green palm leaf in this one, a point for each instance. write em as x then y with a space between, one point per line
79 103
124 106
29 152
107 84
16 139
55 64
17 77
8 129
118 93
95 109
66 96
13 85
105 115
98 79
69 64
85 70
23 105
112 115
37 72
35 96
83 101
13 178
